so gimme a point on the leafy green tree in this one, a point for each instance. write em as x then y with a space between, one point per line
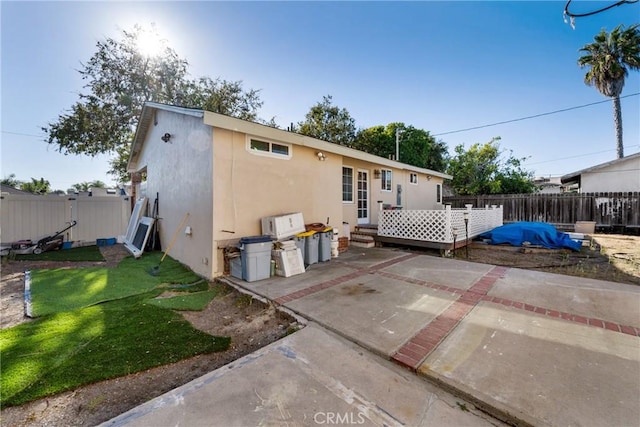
417 147
120 77
224 97
36 186
87 186
609 59
482 170
328 122
11 181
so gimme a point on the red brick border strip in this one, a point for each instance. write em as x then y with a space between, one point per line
422 283
424 342
597 323
338 280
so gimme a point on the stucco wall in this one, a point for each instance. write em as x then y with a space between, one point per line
181 172
249 187
420 196
622 177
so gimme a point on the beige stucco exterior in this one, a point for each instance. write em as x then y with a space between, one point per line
620 175
208 169
623 176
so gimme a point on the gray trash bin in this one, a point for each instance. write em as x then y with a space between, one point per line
311 244
300 243
256 257
324 247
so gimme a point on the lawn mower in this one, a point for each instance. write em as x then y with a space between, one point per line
49 243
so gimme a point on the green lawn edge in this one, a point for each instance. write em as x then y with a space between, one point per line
64 289
62 351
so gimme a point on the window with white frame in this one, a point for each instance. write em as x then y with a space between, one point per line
413 178
268 148
438 193
347 184
385 175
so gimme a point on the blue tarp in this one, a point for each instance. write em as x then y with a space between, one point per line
536 233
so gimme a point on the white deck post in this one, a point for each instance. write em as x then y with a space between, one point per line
448 229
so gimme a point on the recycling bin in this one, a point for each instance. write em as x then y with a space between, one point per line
255 253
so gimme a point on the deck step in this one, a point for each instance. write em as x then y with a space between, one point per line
357 235
360 243
366 231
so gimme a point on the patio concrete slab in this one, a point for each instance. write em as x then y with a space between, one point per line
442 271
377 312
292 382
367 257
276 287
599 299
552 371
322 272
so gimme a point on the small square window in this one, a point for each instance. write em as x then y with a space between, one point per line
413 178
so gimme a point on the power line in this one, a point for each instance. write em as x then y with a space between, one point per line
574 157
23 134
582 15
532 117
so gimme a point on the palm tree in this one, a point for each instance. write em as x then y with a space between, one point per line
610 57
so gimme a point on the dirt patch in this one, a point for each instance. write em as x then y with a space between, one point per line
250 323
609 257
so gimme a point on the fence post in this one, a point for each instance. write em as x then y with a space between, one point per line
448 229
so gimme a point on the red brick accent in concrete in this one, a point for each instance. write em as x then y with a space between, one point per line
424 342
347 277
421 282
597 323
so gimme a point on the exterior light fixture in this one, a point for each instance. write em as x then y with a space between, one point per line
321 156
166 137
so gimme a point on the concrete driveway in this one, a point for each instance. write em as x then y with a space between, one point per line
527 347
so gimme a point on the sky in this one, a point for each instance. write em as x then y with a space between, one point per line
439 66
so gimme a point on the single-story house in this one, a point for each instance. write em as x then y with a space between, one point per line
5 189
620 175
229 173
549 185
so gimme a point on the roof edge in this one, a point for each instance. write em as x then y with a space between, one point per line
259 129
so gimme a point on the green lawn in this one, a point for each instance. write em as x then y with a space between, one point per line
57 290
81 341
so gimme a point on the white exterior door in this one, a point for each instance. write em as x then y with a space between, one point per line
363 197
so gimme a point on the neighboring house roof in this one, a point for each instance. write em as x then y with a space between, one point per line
257 129
574 177
11 190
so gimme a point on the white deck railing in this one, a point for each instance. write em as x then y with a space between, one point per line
438 226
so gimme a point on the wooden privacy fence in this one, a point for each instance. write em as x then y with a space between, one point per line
34 217
606 209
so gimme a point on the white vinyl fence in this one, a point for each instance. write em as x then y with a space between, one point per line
33 217
438 226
